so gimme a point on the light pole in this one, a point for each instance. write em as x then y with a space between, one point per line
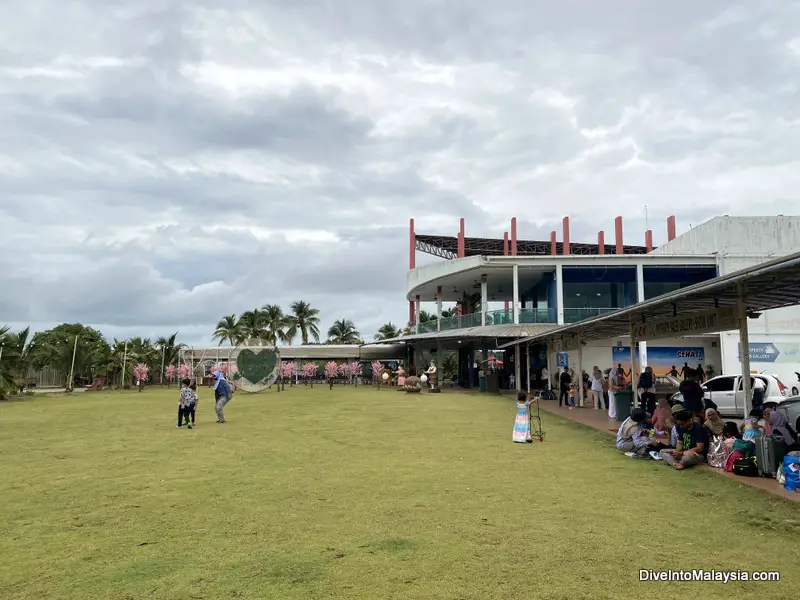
72 367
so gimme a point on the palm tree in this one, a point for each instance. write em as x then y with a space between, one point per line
59 355
304 319
253 325
388 331
229 329
425 316
170 351
343 332
278 326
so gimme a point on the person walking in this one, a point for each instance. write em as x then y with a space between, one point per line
222 394
564 380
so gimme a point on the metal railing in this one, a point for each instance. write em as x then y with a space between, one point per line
573 315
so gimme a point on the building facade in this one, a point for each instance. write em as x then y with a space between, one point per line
506 288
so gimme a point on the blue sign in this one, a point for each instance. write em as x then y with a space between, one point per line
763 352
562 360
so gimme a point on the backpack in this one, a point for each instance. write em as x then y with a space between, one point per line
746 467
646 380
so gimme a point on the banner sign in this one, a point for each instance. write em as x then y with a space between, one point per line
710 321
562 360
769 352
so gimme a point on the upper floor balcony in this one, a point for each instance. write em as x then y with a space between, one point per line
506 317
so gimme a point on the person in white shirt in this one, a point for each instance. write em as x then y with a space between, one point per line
758 392
597 387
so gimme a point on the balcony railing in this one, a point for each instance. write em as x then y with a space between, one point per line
493 317
573 315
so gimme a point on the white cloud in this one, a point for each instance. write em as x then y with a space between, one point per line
165 164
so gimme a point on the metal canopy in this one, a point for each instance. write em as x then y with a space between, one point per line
447 247
472 333
766 286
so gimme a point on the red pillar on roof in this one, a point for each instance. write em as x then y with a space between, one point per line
505 253
553 246
601 242
412 245
648 240
513 236
671 228
565 227
618 231
412 263
461 243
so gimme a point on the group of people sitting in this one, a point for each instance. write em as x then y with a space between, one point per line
684 436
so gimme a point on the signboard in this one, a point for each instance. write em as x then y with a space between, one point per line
562 360
710 321
772 352
661 358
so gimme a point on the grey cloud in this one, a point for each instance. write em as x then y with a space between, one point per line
385 110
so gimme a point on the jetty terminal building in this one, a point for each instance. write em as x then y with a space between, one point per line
510 288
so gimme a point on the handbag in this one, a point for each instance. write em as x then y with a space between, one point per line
716 452
746 467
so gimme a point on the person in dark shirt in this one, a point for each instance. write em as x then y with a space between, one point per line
673 371
564 380
701 374
692 397
692 443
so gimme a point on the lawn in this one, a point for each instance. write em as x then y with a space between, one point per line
354 493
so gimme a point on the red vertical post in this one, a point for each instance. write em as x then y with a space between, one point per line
671 228
553 246
648 240
513 236
601 242
411 313
461 244
565 228
618 232
505 253
412 245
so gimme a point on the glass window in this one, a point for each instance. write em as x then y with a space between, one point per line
720 384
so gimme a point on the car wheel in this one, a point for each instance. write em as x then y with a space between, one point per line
770 404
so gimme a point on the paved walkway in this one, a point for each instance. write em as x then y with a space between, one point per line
599 420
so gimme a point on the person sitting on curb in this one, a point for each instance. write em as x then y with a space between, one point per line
692 443
632 436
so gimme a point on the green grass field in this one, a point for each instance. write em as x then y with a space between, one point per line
356 493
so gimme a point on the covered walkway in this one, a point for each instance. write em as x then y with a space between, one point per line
598 419
721 304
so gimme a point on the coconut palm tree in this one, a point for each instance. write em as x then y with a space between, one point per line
277 325
253 325
343 331
229 329
170 351
388 331
304 319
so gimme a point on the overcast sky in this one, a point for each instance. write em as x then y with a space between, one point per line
164 163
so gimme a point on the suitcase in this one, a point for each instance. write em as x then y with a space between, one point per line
770 450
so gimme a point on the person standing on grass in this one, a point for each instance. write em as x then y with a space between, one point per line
185 403
222 394
195 399
522 424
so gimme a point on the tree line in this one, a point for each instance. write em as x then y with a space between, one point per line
80 350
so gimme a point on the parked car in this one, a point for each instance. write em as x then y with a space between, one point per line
791 408
727 392
667 385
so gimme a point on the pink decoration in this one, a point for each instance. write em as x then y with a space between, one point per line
377 367
183 371
331 370
355 368
170 372
141 372
309 370
222 367
288 368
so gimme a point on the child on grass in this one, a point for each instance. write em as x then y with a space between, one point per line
195 399
522 424
186 402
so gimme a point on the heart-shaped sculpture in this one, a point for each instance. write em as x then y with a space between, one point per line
257 367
